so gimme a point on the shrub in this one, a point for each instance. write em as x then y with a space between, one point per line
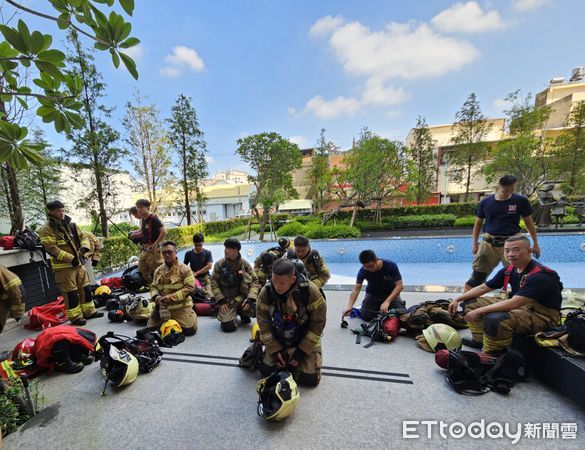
306 219
406 222
292 229
331 232
13 408
183 236
466 221
116 251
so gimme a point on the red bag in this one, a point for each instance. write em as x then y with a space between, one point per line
8 242
48 338
112 283
46 316
205 308
391 326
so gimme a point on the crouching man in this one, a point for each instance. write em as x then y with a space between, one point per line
171 287
534 304
291 315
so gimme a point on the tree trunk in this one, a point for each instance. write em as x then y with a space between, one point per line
17 219
353 215
468 180
186 184
263 221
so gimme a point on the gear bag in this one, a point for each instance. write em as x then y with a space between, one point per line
132 279
45 316
575 324
464 373
508 369
425 314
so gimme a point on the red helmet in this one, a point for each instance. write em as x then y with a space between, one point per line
442 358
23 353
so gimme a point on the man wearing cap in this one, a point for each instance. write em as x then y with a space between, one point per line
235 287
63 241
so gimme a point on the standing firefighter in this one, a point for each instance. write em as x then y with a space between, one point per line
63 240
153 233
291 316
11 304
235 287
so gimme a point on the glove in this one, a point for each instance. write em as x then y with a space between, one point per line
298 355
75 261
164 314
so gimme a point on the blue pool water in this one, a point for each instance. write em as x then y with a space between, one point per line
429 260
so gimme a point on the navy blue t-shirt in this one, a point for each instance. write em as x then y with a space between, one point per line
198 260
502 217
545 288
382 282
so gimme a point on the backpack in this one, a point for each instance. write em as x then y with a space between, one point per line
148 353
575 324
464 373
27 240
45 316
383 328
252 357
132 279
507 370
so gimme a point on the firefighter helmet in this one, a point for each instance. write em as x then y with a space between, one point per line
440 336
279 396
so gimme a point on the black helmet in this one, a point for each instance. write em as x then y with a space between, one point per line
232 243
283 243
267 259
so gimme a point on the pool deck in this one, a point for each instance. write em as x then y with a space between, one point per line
199 403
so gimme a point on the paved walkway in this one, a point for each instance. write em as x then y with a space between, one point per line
205 402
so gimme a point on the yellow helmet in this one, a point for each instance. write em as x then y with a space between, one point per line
440 336
103 291
120 368
255 333
169 327
279 396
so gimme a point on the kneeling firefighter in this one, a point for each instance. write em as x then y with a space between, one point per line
291 315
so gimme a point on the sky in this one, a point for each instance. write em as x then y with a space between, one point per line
296 66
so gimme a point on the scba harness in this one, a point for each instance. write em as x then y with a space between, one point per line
539 268
148 354
383 328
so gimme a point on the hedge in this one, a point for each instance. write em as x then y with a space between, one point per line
457 209
293 228
467 221
405 222
331 232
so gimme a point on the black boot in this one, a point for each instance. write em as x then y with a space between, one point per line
470 342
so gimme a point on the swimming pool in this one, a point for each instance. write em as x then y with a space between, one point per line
444 261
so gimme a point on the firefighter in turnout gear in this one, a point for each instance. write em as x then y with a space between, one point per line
11 304
63 240
534 304
93 256
171 290
291 315
153 233
235 287
314 264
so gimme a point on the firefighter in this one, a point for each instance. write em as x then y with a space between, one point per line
314 264
171 287
11 304
153 233
235 287
64 242
534 304
292 315
93 256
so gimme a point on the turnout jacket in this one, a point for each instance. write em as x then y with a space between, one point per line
62 239
234 280
315 266
311 317
11 291
177 281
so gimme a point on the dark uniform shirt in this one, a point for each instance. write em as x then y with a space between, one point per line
502 217
198 260
543 287
150 228
382 282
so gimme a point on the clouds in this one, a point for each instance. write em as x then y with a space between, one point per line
528 5
325 25
467 18
299 140
136 52
180 59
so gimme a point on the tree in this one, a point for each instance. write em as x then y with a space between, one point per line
93 145
27 62
423 168
30 52
319 174
149 146
187 140
374 170
471 127
272 158
525 152
571 151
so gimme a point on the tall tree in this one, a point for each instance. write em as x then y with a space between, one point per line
27 62
272 158
471 127
319 173
525 152
423 167
373 171
93 145
571 151
149 144
187 140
